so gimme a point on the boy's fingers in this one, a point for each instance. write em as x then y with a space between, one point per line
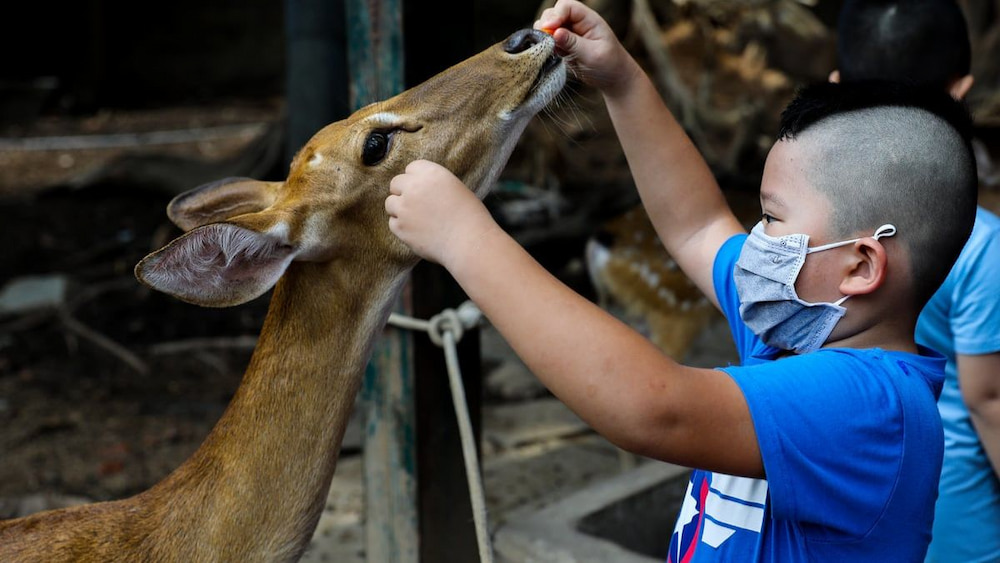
564 14
391 205
550 19
395 187
416 165
566 40
575 16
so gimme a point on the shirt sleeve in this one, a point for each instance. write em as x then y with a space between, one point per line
975 318
749 346
830 436
725 293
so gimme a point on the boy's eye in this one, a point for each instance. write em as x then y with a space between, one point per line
767 218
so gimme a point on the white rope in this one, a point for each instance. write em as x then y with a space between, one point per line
445 330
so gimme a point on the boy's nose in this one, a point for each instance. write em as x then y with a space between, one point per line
522 40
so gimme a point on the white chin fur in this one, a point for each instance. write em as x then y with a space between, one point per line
518 119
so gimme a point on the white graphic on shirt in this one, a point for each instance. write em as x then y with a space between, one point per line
714 534
690 507
733 503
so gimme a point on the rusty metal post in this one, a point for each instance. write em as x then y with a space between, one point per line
375 59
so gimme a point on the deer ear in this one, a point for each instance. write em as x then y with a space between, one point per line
221 200
218 265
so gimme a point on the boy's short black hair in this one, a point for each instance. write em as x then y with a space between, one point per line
823 99
885 152
923 42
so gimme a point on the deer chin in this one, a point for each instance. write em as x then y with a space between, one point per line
550 81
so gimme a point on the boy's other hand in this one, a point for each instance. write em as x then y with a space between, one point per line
588 44
434 213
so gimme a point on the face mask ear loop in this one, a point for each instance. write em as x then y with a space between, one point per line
886 230
831 245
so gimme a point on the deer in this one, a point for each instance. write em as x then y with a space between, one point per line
255 488
636 279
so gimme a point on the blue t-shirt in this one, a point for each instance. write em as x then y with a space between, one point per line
963 317
851 443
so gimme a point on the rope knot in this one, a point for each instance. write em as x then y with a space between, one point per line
445 321
455 321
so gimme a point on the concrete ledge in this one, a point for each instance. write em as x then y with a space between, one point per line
553 534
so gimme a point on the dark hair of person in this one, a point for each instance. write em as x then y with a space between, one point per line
922 42
816 101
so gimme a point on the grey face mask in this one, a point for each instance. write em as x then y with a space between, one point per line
765 277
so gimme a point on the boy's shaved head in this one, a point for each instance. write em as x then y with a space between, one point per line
923 42
886 154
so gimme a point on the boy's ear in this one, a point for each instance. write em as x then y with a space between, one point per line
959 88
835 76
868 268
221 200
219 265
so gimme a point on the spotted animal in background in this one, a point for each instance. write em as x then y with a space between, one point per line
636 279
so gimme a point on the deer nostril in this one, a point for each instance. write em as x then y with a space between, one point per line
521 41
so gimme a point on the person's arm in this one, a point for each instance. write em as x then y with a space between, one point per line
607 373
677 188
979 380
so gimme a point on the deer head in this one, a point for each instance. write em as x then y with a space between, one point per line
242 234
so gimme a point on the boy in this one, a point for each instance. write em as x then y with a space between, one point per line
848 435
927 42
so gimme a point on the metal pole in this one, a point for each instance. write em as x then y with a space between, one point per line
375 59
447 530
317 68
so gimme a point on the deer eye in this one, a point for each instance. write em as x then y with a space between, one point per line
375 148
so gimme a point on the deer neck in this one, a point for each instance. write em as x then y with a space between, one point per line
269 461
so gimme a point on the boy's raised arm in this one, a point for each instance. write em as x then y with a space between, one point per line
677 188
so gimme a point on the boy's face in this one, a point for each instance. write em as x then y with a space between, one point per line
791 205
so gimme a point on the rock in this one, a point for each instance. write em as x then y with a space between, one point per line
31 293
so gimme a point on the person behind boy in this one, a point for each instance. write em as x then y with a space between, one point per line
867 197
927 42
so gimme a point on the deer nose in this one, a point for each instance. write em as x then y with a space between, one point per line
521 41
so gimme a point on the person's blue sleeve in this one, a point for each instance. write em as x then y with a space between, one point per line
975 318
829 436
725 292
749 346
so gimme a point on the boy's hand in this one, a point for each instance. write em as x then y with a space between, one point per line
434 213
589 45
